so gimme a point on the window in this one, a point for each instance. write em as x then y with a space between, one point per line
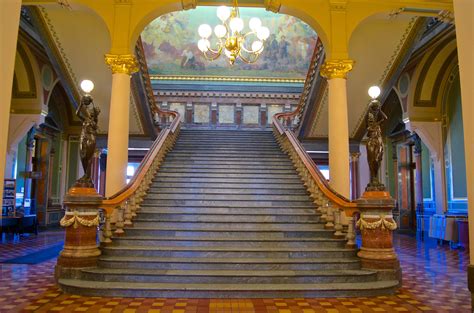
131 168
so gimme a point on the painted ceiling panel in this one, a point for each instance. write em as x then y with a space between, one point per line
170 44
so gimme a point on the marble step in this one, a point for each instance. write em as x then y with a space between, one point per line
225 171
255 264
212 167
226 197
228 242
227 252
155 208
160 177
226 276
224 142
227 152
226 226
175 290
232 158
243 148
224 162
235 232
228 187
219 189
226 203
227 218
249 175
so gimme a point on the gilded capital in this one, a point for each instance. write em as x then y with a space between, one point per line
122 63
336 68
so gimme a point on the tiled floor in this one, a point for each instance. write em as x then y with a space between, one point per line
434 280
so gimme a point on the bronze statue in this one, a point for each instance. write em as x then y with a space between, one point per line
88 113
375 117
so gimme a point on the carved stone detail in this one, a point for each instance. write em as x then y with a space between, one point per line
122 63
188 4
273 5
336 68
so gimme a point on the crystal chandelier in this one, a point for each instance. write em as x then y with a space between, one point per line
230 39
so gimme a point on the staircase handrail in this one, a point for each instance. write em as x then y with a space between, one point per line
136 181
314 173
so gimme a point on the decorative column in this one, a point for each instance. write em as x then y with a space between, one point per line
336 73
122 66
9 19
103 171
96 169
355 192
463 10
418 174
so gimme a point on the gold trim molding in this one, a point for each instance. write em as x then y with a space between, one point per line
188 4
122 63
228 79
273 5
336 68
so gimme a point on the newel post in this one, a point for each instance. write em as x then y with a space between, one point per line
376 224
81 222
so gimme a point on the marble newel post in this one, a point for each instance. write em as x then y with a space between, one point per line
336 73
122 67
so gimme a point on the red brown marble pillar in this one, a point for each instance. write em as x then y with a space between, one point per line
81 221
376 224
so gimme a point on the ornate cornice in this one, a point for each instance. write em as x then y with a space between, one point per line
273 5
336 68
228 78
188 4
247 95
122 63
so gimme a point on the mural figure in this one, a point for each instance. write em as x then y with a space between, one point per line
375 117
88 113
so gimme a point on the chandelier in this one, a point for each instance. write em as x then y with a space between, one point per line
230 39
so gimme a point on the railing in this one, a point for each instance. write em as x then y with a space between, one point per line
293 119
329 203
121 208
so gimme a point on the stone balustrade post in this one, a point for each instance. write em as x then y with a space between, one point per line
81 222
376 224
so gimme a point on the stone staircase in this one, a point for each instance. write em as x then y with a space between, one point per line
227 216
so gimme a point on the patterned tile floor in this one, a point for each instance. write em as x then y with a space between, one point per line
434 280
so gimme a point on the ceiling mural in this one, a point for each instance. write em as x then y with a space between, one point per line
170 44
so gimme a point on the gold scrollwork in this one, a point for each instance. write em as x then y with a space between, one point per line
188 4
273 5
76 220
122 63
336 68
383 223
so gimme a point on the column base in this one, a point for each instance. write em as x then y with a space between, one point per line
470 282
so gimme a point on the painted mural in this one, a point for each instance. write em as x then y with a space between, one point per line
170 44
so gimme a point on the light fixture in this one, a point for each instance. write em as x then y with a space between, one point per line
87 86
374 92
231 41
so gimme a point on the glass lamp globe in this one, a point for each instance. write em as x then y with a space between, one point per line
255 23
87 85
374 92
257 46
205 31
220 31
203 45
223 13
236 24
263 33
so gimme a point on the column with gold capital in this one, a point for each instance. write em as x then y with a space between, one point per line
122 66
336 73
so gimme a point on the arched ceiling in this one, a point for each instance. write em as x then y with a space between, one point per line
375 45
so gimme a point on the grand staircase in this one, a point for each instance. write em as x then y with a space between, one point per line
227 216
